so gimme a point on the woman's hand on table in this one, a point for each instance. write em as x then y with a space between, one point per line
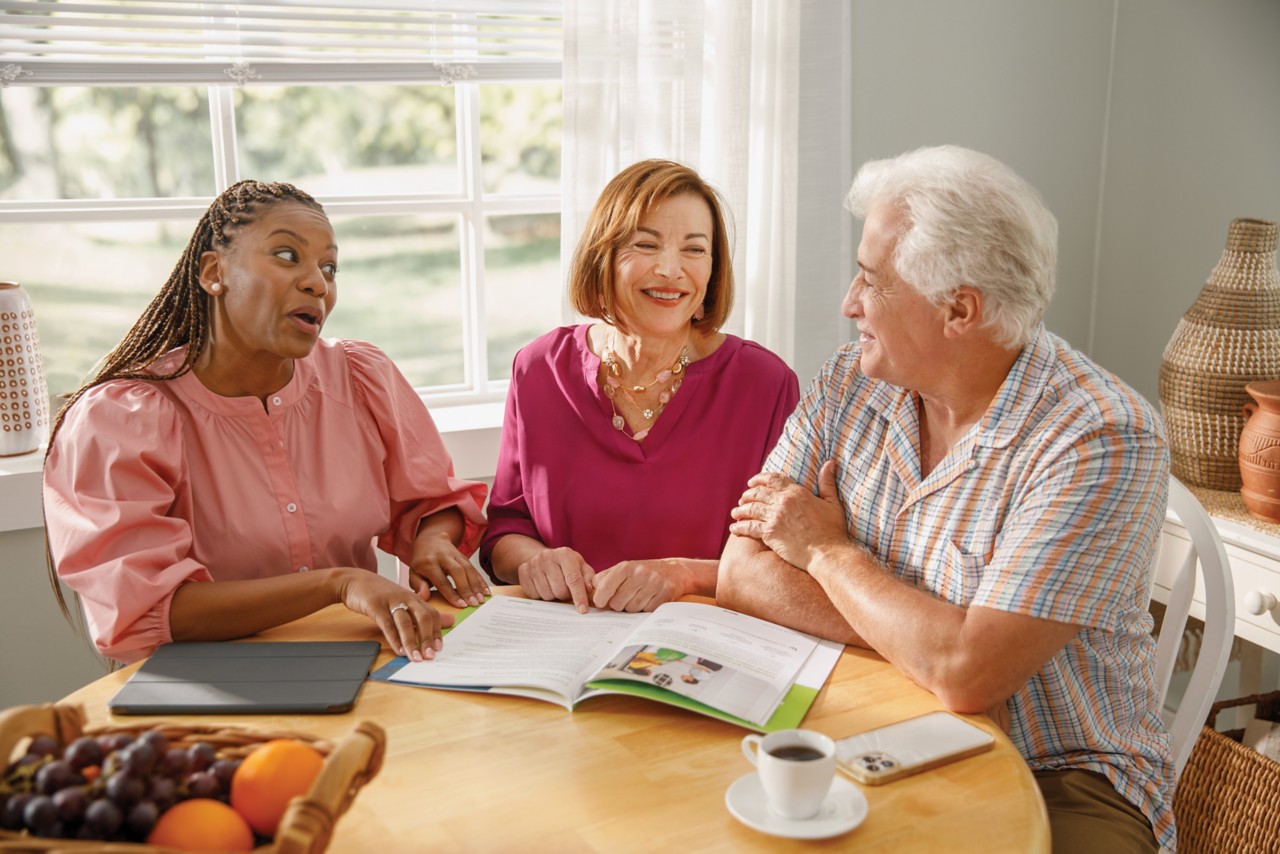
559 575
640 585
411 626
437 562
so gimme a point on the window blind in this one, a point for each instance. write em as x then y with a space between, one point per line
110 42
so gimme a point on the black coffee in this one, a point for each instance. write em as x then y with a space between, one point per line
796 753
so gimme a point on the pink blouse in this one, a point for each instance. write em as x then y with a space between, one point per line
567 478
153 484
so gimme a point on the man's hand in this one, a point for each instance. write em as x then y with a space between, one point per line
793 522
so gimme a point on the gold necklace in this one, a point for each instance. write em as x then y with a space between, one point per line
613 384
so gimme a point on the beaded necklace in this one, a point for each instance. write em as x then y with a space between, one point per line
613 384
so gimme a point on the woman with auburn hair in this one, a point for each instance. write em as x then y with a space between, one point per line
627 441
223 441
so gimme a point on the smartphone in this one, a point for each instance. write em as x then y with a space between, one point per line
899 750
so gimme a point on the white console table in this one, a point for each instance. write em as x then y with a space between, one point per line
1253 548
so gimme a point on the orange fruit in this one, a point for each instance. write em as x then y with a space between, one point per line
270 777
202 824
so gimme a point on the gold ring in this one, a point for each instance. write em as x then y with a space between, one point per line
403 606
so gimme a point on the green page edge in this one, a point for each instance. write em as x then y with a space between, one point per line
459 617
788 715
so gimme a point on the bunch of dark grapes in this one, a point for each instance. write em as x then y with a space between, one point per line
112 787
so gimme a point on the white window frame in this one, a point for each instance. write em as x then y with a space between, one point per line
470 204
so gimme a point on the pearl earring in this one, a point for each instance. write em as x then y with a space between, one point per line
215 288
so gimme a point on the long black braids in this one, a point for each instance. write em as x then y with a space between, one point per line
179 314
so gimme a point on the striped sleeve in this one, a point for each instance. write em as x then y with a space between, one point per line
1083 535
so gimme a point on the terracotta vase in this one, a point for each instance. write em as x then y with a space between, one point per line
1228 338
1260 451
24 396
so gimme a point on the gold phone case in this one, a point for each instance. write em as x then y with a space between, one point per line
908 747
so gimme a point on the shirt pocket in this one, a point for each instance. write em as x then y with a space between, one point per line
960 575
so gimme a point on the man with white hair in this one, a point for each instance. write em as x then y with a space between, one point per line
962 492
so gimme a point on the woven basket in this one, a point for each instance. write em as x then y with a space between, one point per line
1229 337
1228 797
308 823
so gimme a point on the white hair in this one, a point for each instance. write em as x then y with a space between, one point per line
969 220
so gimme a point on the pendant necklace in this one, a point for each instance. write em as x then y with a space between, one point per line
613 384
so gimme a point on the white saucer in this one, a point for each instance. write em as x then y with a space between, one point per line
844 809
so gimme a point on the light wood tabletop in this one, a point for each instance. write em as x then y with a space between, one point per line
473 772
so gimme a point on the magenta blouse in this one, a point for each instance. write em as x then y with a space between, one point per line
567 478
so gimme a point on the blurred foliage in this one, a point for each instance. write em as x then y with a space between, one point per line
122 142
529 114
310 130
75 142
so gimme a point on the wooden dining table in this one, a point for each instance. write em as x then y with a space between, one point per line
483 772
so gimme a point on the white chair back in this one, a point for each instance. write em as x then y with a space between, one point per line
1218 596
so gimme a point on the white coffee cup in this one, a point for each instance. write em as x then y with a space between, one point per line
796 767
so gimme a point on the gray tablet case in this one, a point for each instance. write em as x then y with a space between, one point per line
301 677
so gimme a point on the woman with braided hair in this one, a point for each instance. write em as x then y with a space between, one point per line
223 441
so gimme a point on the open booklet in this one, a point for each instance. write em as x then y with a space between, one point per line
697 656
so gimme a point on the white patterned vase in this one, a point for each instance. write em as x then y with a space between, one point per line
1229 338
24 397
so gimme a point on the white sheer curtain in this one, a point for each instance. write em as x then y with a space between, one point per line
710 83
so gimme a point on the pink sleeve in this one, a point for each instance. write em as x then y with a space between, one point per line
418 469
109 483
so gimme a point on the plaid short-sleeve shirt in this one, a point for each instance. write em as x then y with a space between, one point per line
1051 506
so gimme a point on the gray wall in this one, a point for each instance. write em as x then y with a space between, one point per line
824 241
1147 125
1023 82
41 656
1195 143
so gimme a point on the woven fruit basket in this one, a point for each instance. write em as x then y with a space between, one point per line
308 822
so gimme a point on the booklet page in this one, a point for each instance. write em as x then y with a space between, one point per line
523 642
729 661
